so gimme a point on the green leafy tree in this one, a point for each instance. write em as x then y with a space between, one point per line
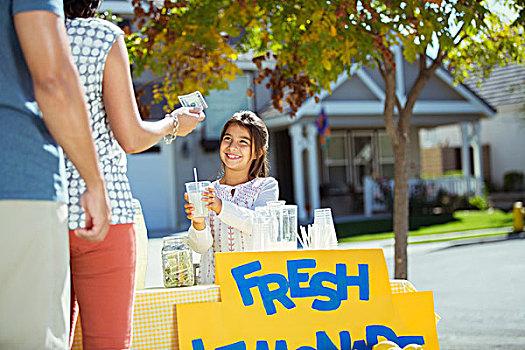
308 44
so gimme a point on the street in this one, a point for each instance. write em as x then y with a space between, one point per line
479 292
478 287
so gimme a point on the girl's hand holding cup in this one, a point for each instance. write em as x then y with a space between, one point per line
214 203
189 208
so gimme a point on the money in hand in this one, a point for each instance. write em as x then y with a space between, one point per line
194 99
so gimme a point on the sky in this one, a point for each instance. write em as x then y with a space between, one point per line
498 6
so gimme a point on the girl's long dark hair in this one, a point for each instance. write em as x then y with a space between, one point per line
259 135
80 8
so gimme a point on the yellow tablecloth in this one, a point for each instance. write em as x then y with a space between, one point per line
155 317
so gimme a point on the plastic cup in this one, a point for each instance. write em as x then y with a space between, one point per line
276 210
194 191
278 202
289 236
324 229
263 226
323 216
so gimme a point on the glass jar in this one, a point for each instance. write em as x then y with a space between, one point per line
177 261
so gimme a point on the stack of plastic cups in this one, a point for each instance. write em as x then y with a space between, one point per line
276 210
264 230
325 229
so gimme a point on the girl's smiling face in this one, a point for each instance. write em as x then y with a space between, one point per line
236 150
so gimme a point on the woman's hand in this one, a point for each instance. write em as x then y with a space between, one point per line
214 203
188 118
198 223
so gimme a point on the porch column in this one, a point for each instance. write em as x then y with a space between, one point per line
478 156
313 167
476 145
296 135
465 145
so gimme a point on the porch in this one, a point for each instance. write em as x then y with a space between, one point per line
374 194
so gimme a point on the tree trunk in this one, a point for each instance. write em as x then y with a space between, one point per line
398 132
401 214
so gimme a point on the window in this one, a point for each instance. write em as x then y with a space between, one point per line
336 161
354 154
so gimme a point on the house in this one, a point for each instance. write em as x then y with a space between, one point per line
337 176
502 135
360 149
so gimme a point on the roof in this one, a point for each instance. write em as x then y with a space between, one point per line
462 105
504 86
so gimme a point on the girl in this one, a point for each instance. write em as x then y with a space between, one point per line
232 199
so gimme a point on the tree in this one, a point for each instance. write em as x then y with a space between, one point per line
310 43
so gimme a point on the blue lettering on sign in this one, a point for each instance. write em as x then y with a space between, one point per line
323 341
315 287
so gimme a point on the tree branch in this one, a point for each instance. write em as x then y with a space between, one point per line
398 104
422 62
390 98
422 79
380 68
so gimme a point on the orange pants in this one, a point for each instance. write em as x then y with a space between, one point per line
103 283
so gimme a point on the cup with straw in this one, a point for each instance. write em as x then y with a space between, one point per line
194 190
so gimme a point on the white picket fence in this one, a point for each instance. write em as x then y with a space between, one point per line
452 185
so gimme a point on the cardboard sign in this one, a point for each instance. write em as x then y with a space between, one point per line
306 300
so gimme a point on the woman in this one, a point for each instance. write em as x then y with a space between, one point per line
102 274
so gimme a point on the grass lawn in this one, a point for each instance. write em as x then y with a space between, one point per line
424 225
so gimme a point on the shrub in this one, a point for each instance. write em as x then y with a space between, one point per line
385 195
513 181
419 202
479 202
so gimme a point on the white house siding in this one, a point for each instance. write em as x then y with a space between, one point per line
506 135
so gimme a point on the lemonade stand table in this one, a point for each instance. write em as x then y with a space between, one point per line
155 317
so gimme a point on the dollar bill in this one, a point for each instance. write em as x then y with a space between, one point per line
194 99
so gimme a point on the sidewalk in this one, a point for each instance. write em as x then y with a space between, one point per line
476 236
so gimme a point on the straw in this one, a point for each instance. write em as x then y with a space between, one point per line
303 239
309 237
195 174
298 237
